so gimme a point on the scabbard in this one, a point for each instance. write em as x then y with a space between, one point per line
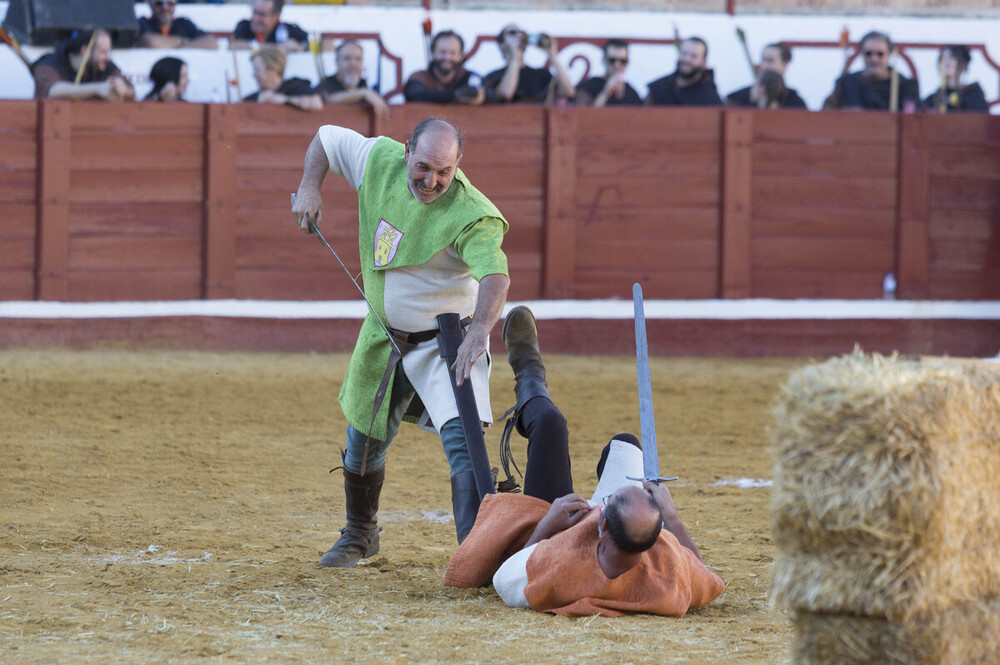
450 336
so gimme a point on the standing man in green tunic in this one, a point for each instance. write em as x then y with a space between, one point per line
430 243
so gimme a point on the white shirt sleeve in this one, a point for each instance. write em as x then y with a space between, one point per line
347 151
512 577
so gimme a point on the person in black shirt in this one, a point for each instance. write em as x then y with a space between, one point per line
692 84
265 27
446 80
610 89
519 83
55 73
162 30
170 79
956 96
347 86
870 88
774 58
269 70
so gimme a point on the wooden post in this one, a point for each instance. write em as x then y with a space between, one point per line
913 208
219 207
559 230
52 249
735 280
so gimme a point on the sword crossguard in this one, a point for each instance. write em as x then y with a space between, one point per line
656 480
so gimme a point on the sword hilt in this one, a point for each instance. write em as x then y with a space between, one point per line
652 480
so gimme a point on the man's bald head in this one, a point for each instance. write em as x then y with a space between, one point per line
633 519
432 156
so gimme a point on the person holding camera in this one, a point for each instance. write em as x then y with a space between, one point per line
519 83
446 80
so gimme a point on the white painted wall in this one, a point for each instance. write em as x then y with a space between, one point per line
811 72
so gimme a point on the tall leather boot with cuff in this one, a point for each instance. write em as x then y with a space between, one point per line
359 539
464 502
520 336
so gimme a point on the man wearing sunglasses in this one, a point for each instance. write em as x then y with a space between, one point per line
266 27
871 87
163 30
519 83
625 550
610 89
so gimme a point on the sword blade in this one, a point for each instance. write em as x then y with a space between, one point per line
647 424
313 229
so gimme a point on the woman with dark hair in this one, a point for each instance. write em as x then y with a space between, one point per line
170 78
769 90
954 95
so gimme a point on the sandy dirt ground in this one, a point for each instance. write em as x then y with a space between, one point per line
170 507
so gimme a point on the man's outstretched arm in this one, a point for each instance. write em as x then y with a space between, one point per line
671 518
308 200
492 296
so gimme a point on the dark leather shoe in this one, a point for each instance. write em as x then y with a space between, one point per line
520 336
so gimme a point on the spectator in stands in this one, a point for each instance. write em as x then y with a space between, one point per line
56 73
446 80
163 30
769 90
692 84
519 83
269 70
956 95
347 86
871 87
774 58
170 79
610 89
265 27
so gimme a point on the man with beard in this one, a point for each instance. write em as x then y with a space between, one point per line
347 86
871 87
163 30
774 58
56 73
430 243
692 84
517 82
446 80
266 27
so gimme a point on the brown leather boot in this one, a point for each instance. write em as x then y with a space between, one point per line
464 502
359 539
520 336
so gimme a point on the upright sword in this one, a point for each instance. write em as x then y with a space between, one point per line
647 424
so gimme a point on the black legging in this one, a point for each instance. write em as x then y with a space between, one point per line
547 474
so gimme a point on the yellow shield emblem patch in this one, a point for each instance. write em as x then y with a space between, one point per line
387 239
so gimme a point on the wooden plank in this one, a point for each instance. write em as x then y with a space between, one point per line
501 121
18 152
290 284
297 252
17 284
138 186
614 126
135 219
222 146
964 225
825 254
913 221
138 151
18 219
19 117
737 205
966 257
524 285
17 253
560 192
52 266
965 286
820 283
141 284
134 254
823 222
853 192
272 120
481 153
831 127
838 159
650 254
511 183
673 221
963 129
18 187
973 161
700 160
656 284
965 193
95 117
271 152
270 224
647 192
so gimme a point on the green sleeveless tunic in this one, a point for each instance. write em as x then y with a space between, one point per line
396 230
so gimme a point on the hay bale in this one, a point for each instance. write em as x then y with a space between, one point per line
886 487
967 634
